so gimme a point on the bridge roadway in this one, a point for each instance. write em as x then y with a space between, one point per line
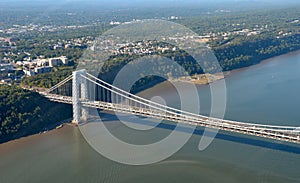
282 133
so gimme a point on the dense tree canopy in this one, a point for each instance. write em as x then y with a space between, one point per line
24 112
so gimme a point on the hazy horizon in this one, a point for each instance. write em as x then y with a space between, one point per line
152 2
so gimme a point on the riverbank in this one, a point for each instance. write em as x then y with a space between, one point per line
25 113
34 137
47 129
205 79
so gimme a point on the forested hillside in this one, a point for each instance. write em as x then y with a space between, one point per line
24 113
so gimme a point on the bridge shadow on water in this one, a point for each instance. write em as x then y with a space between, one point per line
280 146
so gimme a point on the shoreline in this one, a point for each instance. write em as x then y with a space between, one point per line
227 74
265 61
206 79
35 137
48 129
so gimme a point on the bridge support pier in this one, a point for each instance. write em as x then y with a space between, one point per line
79 94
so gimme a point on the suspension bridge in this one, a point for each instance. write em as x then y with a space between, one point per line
84 91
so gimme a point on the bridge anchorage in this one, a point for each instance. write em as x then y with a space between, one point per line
85 91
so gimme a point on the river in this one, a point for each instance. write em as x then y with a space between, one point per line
265 93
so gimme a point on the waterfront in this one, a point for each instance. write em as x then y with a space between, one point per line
268 93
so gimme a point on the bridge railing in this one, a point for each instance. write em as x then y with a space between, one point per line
175 111
130 101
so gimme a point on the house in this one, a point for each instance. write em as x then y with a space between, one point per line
41 70
63 60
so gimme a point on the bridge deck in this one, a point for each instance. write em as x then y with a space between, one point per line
278 133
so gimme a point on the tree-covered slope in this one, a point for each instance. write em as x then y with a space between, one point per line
24 113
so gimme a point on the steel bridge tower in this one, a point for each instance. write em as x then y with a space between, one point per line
79 94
